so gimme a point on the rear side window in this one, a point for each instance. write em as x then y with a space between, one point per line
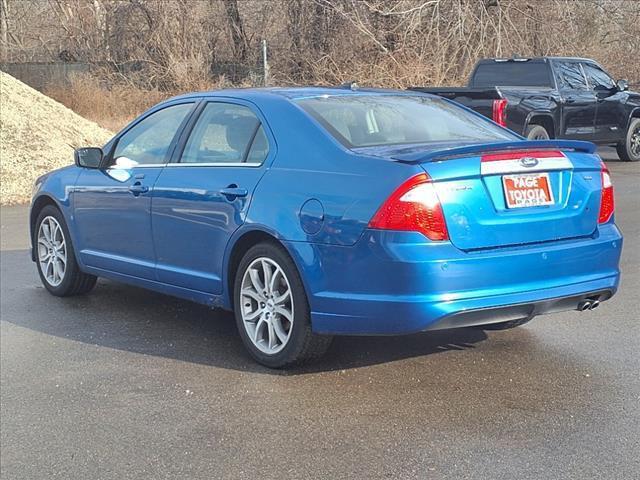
226 133
259 148
569 75
148 141
368 120
512 73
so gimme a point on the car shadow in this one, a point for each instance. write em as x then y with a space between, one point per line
122 317
608 154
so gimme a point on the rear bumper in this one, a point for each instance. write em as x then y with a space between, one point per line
392 283
520 311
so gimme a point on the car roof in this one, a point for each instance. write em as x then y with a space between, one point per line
295 93
523 59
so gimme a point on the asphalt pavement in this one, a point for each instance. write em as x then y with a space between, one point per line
125 383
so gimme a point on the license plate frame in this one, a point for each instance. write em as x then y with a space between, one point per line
524 190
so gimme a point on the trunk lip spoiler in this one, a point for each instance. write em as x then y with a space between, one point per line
467 150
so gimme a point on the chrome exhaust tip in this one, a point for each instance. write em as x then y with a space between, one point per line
585 305
595 304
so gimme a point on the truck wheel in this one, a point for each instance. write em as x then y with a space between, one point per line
629 148
536 132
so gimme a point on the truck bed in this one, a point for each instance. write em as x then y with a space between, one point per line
457 93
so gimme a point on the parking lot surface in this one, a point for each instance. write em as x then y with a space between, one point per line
125 383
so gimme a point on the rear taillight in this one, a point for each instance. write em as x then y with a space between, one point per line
606 197
415 207
500 111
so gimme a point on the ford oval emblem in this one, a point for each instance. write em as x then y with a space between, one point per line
528 162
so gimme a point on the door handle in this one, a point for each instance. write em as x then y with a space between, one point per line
570 100
137 188
233 191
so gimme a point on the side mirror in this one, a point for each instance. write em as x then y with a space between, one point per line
622 85
89 157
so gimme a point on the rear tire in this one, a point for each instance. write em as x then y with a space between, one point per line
505 325
55 256
629 148
272 311
536 132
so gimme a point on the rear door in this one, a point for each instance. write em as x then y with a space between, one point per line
518 197
203 195
579 103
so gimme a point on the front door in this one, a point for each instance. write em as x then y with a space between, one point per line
202 197
112 205
578 101
611 117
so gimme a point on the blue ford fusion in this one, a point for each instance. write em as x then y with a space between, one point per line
313 212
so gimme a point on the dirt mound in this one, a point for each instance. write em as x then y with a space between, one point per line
37 134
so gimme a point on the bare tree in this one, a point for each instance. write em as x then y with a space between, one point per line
180 44
238 35
4 28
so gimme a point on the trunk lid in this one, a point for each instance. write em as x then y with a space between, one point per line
514 193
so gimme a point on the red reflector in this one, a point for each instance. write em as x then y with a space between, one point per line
500 111
414 207
607 204
518 154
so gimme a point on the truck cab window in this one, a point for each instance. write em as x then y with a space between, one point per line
598 78
569 75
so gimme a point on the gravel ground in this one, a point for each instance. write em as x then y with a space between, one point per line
37 134
129 384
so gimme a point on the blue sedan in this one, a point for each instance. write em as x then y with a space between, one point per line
313 212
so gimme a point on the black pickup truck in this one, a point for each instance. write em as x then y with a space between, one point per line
553 97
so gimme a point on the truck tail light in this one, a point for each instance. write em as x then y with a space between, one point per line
607 205
500 111
415 207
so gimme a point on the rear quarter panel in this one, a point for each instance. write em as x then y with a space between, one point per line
525 103
316 190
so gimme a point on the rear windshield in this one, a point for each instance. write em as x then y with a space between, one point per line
369 120
514 74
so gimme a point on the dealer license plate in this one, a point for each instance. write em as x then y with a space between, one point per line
527 190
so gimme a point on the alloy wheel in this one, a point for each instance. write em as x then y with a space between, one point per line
266 305
635 142
52 251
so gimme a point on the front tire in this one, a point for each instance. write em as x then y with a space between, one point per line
629 148
55 257
536 132
272 311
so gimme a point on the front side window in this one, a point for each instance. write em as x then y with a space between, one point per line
368 120
226 133
148 141
569 75
598 78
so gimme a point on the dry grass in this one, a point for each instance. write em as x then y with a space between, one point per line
111 108
37 134
111 103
